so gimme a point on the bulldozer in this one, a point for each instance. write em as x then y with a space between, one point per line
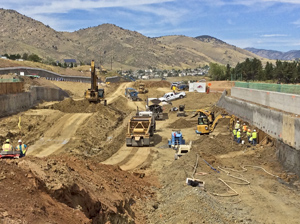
142 88
94 95
205 126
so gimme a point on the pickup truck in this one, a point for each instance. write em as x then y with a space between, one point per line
171 96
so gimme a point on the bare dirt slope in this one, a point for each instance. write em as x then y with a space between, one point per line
95 177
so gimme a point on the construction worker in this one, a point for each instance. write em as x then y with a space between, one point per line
22 148
234 134
249 134
250 140
238 136
244 128
237 125
7 146
254 137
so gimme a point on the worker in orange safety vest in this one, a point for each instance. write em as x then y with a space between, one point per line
244 128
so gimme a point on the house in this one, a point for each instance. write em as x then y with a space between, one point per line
70 62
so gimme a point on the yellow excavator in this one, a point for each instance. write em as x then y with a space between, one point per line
205 126
94 95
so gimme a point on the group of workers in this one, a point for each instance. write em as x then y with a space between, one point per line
7 146
251 136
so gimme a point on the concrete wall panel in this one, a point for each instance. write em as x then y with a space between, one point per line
14 103
275 123
281 101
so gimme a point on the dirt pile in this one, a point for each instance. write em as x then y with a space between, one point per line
77 106
180 123
66 189
153 84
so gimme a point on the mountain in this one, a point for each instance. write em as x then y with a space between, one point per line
112 44
270 54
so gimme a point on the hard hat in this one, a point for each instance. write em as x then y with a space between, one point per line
239 129
254 130
20 140
244 123
237 122
7 140
249 129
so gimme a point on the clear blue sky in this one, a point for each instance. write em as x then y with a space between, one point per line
263 24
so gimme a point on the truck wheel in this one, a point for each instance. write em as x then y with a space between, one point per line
105 103
181 97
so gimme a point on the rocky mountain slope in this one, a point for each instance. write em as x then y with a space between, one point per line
110 43
270 54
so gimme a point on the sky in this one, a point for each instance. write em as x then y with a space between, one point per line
262 24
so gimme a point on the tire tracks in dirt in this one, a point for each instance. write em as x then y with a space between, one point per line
58 135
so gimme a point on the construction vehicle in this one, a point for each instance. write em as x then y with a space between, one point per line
205 126
156 109
181 112
210 115
142 88
94 95
132 94
140 128
177 142
176 139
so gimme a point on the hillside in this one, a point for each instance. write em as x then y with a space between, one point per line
209 49
109 43
270 54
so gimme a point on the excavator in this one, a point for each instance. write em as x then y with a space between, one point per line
205 126
94 95
210 115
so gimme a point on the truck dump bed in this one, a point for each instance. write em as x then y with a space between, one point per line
140 128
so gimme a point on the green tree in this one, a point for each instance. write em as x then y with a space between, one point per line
217 72
34 57
25 56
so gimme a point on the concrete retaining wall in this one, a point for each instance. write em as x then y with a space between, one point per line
44 73
281 101
14 103
281 126
277 124
288 157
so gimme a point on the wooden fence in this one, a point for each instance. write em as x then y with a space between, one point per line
11 87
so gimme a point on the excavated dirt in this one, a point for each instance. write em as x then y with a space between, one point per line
79 170
66 189
180 123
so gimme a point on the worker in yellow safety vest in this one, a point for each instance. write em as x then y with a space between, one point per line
254 137
238 136
244 128
22 148
237 125
7 146
249 134
234 134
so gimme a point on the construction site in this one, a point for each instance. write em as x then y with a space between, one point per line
97 154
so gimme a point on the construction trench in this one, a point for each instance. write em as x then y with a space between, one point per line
78 168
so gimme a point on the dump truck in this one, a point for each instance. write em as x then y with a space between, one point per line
94 95
205 126
132 94
140 129
142 88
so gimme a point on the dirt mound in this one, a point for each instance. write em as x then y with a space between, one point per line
77 106
154 84
180 123
65 189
